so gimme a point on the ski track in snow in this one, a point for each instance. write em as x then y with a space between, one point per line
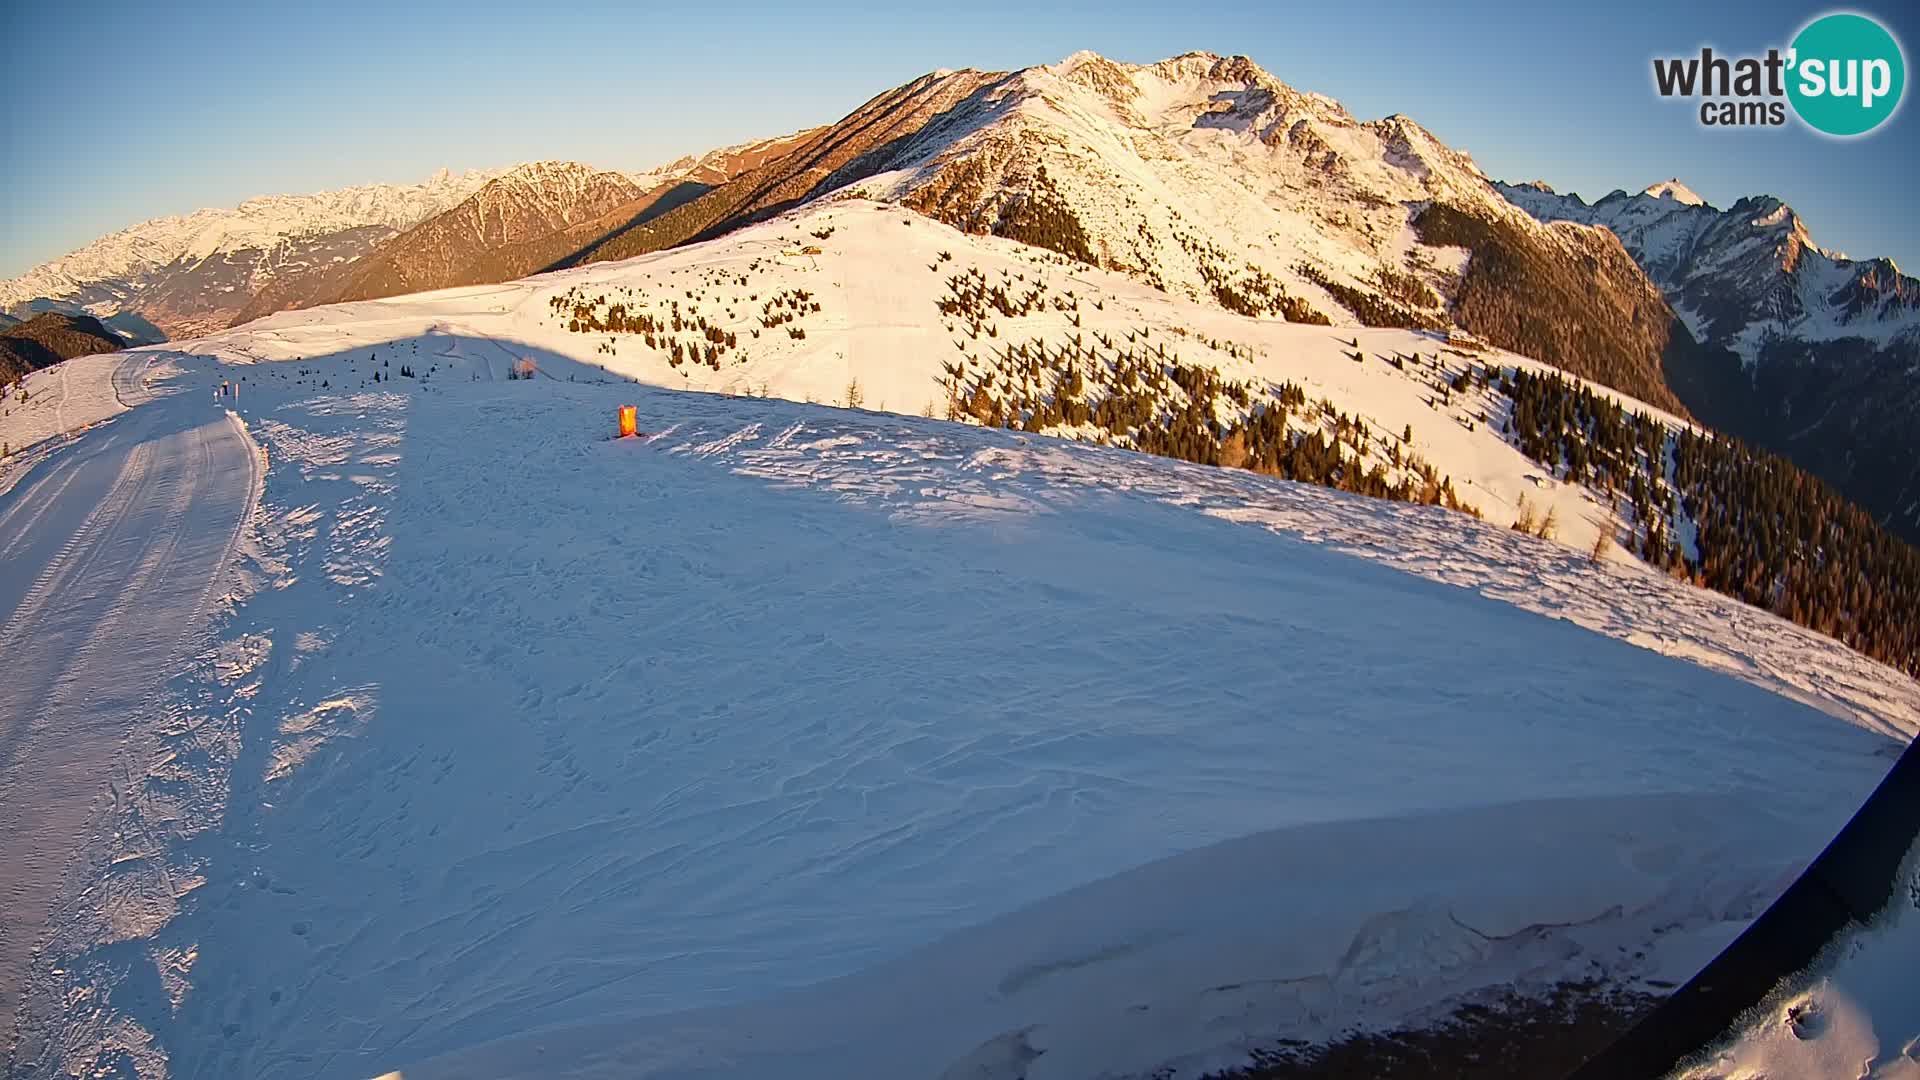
526 729
109 550
63 401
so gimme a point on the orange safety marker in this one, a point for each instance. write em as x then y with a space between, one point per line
629 421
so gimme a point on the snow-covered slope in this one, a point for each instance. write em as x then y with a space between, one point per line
1207 177
1066 758
855 297
192 272
60 400
855 301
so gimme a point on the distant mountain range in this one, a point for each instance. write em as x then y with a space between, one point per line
192 273
1201 175
1792 347
521 222
485 237
188 275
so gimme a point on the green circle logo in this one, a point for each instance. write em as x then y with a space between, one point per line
1847 74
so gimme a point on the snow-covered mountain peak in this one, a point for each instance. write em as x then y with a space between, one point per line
1675 191
1099 74
1212 67
547 170
1781 226
1181 89
555 181
1067 66
1201 175
1808 352
262 221
1224 111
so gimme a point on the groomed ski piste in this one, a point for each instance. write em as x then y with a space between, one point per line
817 741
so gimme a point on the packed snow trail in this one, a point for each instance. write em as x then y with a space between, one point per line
109 553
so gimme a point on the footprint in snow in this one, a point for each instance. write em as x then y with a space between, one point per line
1807 1020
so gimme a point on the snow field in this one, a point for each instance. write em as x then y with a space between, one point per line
518 732
878 280
524 729
62 400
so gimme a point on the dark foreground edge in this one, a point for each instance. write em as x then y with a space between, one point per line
1846 887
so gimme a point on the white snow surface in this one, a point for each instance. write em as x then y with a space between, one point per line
875 745
63 399
111 553
1674 191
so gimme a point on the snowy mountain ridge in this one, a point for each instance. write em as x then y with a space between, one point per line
262 223
1164 165
1675 191
1207 177
1749 274
718 165
1795 347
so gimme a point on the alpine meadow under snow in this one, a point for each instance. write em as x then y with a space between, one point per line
883 709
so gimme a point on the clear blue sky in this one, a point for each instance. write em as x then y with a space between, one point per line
120 112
